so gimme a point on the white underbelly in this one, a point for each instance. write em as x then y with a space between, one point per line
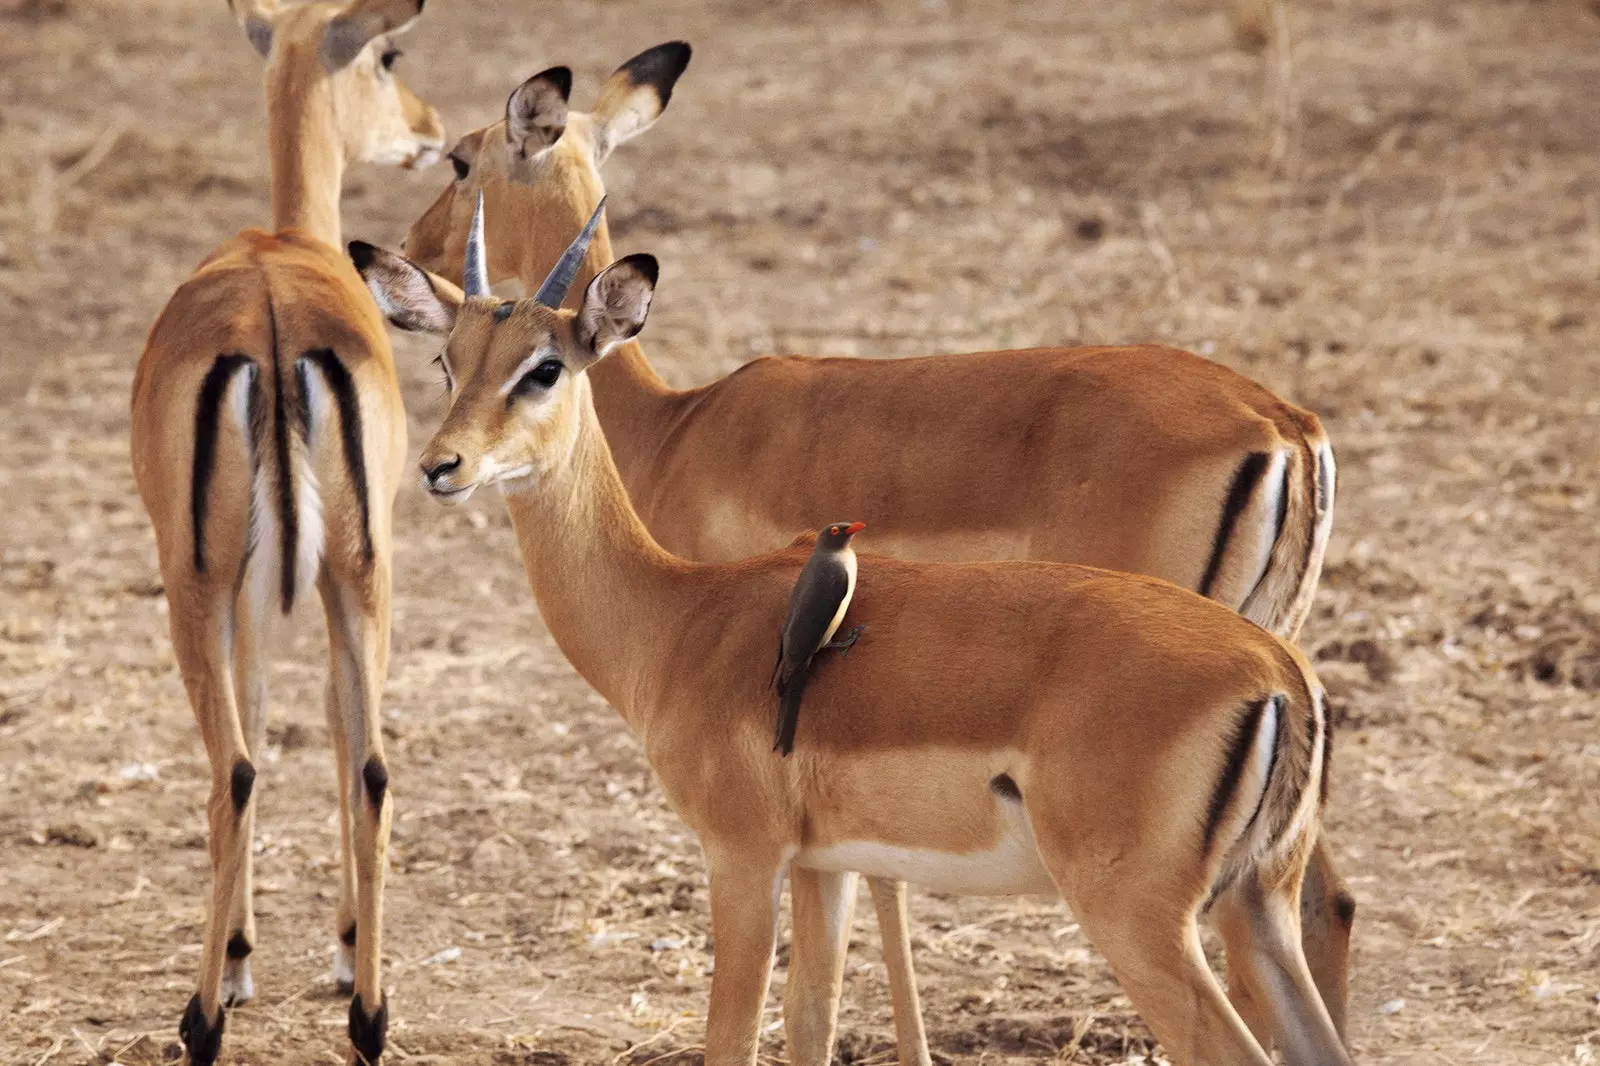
1011 867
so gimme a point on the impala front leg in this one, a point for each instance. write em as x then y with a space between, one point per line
823 904
744 924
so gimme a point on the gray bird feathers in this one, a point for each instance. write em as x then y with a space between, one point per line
816 607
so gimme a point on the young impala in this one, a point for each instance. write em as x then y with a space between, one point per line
1000 727
268 441
1145 459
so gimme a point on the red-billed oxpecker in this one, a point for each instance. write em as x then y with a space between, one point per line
816 607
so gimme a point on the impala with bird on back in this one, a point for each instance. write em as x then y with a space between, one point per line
1145 458
1003 727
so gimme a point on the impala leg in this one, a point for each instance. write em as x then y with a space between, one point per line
344 919
358 632
1327 914
889 899
823 905
744 923
1161 966
250 690
200 637
1261 927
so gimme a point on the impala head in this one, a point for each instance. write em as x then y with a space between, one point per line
538 168
514 368
837 536
347 50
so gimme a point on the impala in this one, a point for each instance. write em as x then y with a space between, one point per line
268 443
1145 459
1000 727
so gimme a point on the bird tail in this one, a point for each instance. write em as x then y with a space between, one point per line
789 692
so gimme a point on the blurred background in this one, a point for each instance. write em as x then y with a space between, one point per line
1387 212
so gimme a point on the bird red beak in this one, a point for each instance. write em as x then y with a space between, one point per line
854 528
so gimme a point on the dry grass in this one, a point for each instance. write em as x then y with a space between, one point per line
1391 214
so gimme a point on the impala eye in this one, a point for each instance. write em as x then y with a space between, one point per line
463 168
542 376
389 56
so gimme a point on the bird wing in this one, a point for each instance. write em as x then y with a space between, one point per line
823 585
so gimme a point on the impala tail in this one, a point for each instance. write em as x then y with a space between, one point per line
283 411
1270 576
1267 799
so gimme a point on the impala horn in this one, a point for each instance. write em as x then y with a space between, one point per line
553 293
475 267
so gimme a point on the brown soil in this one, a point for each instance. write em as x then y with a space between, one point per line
1418 261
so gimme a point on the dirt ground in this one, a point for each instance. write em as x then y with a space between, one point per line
1395 221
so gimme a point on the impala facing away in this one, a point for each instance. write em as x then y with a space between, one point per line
1144 459
1001 727
268 443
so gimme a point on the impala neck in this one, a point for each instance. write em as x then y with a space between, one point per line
601 581
307 157
634 405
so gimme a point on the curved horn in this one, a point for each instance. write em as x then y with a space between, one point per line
554 290
475 268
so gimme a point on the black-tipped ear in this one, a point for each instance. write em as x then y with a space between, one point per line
634 97
361 254
536 111
659 67
255 18
616 303
409 297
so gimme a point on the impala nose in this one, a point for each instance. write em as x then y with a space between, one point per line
441 469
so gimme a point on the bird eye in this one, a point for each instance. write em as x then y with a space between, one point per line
542 376
463 168
389 56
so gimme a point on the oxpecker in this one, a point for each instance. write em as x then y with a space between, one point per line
816 607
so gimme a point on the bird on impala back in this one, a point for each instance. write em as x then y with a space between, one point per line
816 607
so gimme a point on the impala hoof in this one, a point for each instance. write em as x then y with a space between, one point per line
367 1033
201 1039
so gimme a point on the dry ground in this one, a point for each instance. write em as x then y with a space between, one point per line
1419 262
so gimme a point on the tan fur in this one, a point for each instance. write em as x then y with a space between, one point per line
1111 700
270 298
1118 457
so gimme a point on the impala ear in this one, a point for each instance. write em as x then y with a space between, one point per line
634 97
409 297
354 28
255 18
536 112
616 303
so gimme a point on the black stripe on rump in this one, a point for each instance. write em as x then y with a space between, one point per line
1277 529
343 387
1245 480
288 519
1238 756
207 419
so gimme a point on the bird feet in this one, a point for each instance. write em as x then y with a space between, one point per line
845 645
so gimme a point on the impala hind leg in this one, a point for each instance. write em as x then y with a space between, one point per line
1157 957
823 905
1260 924
250 691
744 924
201 633
889 900
358 645
1327 915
